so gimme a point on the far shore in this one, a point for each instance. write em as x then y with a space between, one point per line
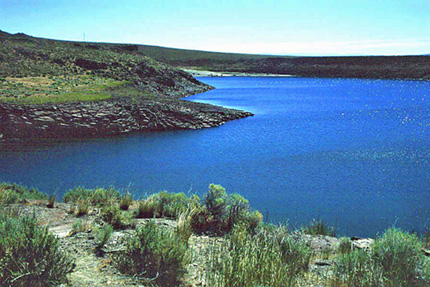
201 73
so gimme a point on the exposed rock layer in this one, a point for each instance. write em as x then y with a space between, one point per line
108 118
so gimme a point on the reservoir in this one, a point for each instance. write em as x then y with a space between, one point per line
353 152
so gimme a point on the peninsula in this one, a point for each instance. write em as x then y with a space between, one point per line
58 89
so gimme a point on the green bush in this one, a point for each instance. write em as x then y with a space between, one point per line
14 193
29 254
222 211
126 201
83 207
103 234
169 204
102 237
270 257
114 216
395 259
165 204
96 197
319 227
158 255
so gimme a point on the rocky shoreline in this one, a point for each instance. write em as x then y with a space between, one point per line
108 118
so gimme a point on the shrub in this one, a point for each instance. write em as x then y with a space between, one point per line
96 197
14 193
102 237
319 227
51 201
29 254
126 201
216 203
103 234
114 216
394 260
167 204
222 211
271 257
155 254
83 207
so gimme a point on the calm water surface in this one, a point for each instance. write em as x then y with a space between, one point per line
353 152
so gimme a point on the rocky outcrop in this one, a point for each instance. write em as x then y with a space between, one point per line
108 118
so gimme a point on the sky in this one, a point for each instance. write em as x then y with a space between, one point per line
289 27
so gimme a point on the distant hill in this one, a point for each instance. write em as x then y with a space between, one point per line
378 67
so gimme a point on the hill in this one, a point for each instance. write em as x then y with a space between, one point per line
370 67
57 89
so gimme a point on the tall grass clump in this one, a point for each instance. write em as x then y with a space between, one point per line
126 201
270 257
345 246
319 227
29 254
154 255
96 197
399 256
395 259
15 193
145 208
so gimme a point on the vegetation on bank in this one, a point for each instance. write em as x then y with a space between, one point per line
29 254
37 71
16 193
40 90
247 251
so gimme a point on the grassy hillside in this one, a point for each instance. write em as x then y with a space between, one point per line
34 70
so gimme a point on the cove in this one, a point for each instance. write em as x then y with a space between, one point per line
353 152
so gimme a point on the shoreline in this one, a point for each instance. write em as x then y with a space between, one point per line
203 73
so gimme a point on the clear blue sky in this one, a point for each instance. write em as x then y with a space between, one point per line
306 27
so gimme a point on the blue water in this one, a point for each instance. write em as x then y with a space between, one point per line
353 152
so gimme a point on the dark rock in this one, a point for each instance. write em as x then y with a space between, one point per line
90 65
108 118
